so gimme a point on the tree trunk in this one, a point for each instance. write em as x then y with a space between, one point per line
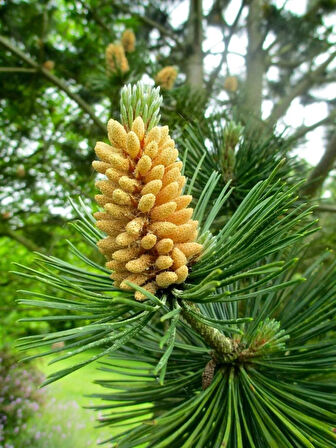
321 171
194 39
255 65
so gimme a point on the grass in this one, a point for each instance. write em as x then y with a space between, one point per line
64 422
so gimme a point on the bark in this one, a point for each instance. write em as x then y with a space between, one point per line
194 39
255 63
322 169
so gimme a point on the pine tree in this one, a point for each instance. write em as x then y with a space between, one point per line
235 349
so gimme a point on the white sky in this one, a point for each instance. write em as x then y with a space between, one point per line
297 114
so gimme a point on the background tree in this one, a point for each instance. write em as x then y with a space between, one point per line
57 95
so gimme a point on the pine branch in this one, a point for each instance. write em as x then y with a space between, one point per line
322 169
303 130
17 70
270 326
54 79
213 337
300 87
148 21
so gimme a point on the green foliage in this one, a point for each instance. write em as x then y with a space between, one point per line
214 279
62 422
277 390
252 157
12 252
247 326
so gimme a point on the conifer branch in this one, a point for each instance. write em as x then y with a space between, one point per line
297 90
303 130
17 70
213 337
54 79
148 21
321 171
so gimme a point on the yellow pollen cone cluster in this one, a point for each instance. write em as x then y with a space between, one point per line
166 77
128 41
231 83
49 65
116 58
150 232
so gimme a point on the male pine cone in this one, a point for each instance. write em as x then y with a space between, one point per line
128 41
151 236
166 77
116 58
